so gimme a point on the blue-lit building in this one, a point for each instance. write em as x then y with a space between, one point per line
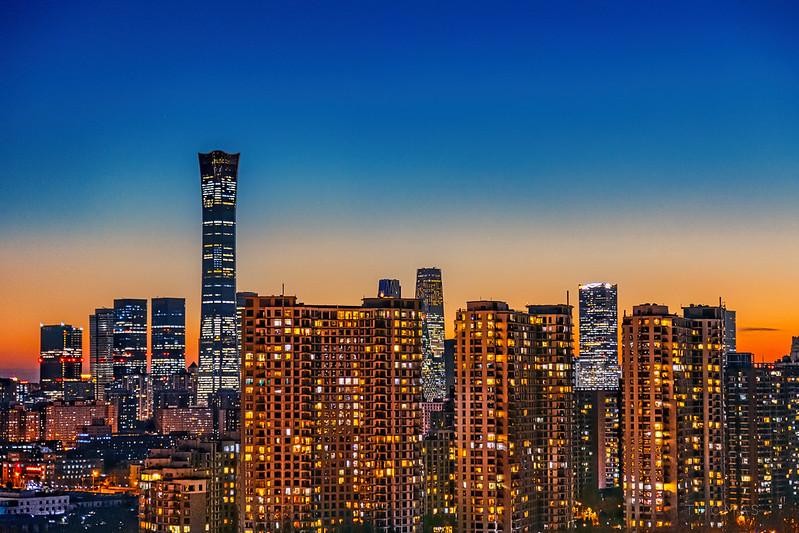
218 357
167 337
429 290
597 366
130 337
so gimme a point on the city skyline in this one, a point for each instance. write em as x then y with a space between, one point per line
413 137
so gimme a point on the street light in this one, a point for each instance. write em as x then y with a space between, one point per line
95 473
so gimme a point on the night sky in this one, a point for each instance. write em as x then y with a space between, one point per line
523 150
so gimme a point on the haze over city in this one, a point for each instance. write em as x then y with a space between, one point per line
522 151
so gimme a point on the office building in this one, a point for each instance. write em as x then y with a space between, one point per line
130 337
672 416
218 358
61 356
513 410
167 338
597 366
430 291
389 288
331 429
101 349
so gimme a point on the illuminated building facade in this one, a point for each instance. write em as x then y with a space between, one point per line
514 435
101 349
429 290
173 494
389 288
438 452
63 419
130 337
167 337
331 424
672 415
597 367
19 425
61 356
218 358
757 436
192 420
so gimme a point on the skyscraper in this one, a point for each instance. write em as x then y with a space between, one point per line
389 288
430 291
61 356
130 337
672 413
331 420
101 349
597 367
167 337
597 374
219 363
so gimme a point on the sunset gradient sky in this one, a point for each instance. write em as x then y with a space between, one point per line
522 150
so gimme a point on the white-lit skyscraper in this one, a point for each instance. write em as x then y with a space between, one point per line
597 367
218 361
430 291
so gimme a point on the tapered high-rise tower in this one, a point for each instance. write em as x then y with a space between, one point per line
219 363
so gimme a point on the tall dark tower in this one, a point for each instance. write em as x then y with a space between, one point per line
101 349
130 337
219 363
61 356
167 337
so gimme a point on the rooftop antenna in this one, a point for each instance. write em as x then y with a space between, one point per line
567 297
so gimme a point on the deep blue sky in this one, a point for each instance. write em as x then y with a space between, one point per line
368 101
398 124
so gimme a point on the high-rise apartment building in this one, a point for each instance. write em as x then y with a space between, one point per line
389 288
597 367
61 356
513 409
101 349
429 290
757 435
218 358
130 337
167 337
672 415
598 445
331 422
190 487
